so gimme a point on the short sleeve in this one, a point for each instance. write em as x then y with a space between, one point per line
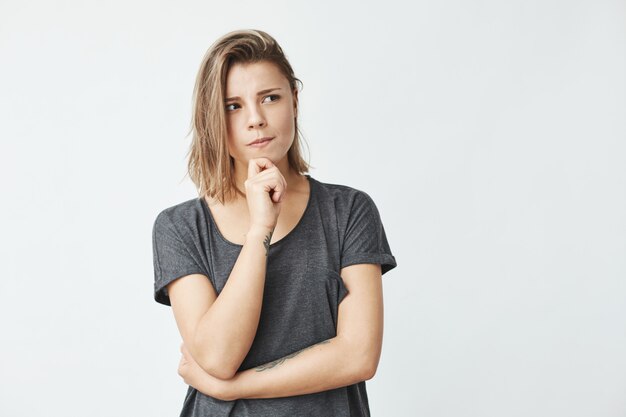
365 240
171 257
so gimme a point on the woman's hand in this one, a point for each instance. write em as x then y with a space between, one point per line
196 377
265 190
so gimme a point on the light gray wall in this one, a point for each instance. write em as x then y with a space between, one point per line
491 135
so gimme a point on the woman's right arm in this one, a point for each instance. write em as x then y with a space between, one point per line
219 330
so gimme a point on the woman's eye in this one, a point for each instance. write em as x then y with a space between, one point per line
273 95
229 107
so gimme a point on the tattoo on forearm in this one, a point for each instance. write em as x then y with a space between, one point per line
266 242
277 362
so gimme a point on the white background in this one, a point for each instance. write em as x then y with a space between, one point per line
491 135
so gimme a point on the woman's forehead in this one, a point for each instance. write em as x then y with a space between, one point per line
253 76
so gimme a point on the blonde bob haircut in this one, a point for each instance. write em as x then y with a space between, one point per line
210 166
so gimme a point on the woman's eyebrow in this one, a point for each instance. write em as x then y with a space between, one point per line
260 93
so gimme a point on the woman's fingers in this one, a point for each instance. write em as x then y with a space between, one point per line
265 188
264 171
256 165
274 184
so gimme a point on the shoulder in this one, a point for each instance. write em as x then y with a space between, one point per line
180 217
344 197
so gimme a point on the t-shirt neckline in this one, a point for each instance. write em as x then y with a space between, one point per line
291 232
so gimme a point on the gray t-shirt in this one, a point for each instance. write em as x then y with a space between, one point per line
340 226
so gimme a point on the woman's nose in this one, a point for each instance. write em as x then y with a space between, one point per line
256 119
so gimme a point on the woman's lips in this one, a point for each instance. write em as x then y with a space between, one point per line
263 142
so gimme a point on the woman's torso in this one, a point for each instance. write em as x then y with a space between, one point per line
303 289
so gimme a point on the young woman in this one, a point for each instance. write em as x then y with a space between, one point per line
274 277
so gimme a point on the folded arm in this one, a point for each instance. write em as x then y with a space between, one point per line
218 330
350 357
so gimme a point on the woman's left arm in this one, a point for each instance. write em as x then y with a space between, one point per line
350 357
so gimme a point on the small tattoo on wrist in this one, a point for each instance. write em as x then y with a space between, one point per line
266 242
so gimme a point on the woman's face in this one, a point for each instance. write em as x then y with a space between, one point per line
258 104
